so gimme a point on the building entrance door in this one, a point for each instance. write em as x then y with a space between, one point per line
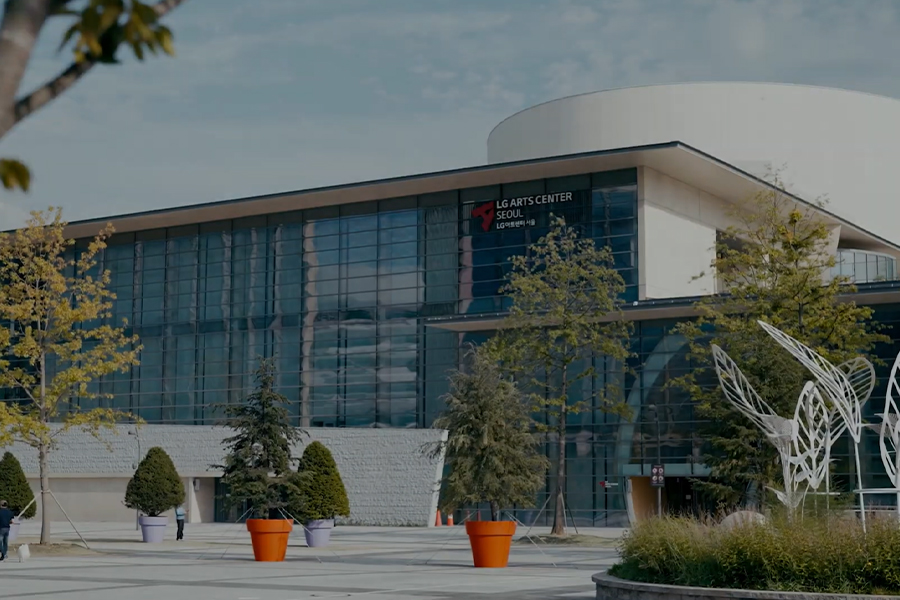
683 498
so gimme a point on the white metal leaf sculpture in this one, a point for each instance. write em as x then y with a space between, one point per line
836 384
739 391
833 381
860 373
811 416
780 432
889 435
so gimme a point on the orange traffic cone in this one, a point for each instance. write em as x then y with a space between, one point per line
450 520
437 519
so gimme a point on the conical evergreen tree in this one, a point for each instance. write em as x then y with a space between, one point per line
257 467
491 450
155 486
322 491
14 487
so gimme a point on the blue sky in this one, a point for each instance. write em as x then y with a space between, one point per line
274 95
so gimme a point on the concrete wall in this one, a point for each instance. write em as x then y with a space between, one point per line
613 588
677 234
202 509
389 479
835 143
86 498
101 499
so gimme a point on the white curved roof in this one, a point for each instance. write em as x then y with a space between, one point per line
832 143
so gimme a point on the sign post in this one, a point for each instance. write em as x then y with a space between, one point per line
658 480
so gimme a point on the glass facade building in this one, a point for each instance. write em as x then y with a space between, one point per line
860 266
341 296
357 303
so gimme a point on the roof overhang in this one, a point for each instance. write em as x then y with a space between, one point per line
871 294
674 159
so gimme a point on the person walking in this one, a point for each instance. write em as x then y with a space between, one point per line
6 519
179 520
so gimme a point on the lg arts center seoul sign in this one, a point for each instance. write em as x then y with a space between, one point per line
513 213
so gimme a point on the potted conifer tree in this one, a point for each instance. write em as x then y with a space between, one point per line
322 494
154 488
15 490
491 452
257 467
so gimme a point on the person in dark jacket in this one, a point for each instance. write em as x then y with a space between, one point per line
6 519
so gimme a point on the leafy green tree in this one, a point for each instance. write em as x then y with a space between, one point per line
155 486
57 339
774 265
257 467
14 487
564 322
99 28
492 453
322 491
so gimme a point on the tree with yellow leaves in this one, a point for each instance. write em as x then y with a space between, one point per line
57 337
98 29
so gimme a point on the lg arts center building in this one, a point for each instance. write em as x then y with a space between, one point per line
365 292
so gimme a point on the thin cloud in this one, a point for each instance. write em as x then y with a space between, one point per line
272 95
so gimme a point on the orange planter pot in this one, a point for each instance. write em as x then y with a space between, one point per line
490 541
269 538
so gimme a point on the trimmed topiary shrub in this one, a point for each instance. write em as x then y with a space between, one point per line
322 492
825 554
155 486
14 487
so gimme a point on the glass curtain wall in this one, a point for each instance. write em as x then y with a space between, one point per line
339 295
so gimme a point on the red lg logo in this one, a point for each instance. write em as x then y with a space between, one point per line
486 212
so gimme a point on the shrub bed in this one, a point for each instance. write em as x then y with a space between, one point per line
826 554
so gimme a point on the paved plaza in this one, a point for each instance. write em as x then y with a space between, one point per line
216 562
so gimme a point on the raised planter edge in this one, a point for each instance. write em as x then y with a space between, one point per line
613 588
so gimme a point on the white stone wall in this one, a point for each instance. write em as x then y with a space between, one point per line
389 478
677 234
830 142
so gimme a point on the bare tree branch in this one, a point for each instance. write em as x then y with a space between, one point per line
52 89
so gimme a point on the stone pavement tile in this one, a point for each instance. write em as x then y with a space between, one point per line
13 589
402 563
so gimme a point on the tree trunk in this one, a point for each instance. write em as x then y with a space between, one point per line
43 454
22 22
495 511
559 513
44 471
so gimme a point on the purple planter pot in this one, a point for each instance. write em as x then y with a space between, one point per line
153 529
318 533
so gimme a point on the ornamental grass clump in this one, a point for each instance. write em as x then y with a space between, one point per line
321 488
824 554
155 486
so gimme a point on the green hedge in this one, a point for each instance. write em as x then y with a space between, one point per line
814 554
14 487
